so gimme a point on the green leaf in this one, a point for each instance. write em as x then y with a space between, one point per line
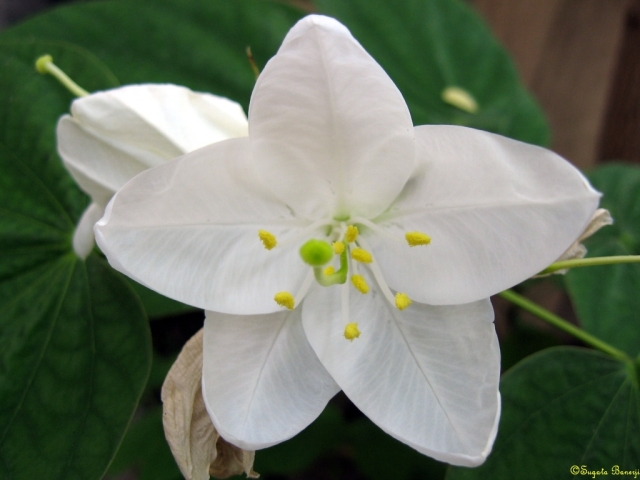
428 45
74 340
607 298
201 45
563 407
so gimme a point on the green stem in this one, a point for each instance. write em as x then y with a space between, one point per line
590 262
563 325
45 65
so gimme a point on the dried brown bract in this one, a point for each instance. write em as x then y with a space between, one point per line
198 449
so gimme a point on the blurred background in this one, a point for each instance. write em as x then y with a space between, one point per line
581 61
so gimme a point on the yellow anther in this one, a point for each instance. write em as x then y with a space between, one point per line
285 299
417 238
402 301
360 283
268 239
351 331
460 98
361 255
329 270
338 248
351 234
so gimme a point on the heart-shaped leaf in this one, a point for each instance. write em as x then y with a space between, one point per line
562 408
74 340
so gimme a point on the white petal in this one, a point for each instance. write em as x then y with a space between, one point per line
113 135
189 230
428 375
83 239
498 211
262 383
329 129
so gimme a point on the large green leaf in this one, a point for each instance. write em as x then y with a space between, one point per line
427 46
607 298
74 341
563 407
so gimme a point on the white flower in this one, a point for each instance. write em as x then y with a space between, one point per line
331 146
113 135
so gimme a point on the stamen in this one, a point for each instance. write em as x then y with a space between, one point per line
351 234
460 98
338 247
402 301
417 238
285 299
268 239
329 270
360 283
252 62
376 228
304 288
377 274
344 296
45 65
361 255
304 233
351 331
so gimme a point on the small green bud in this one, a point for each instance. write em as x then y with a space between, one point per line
316 253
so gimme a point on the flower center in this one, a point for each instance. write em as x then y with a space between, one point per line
352 251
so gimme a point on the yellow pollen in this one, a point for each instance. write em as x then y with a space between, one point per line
329 270
338 248
402 301
417 238
268 239
361 255
360 283
285 299
351 234
351 331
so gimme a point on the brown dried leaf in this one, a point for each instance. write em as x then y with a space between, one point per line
232 460
198 449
